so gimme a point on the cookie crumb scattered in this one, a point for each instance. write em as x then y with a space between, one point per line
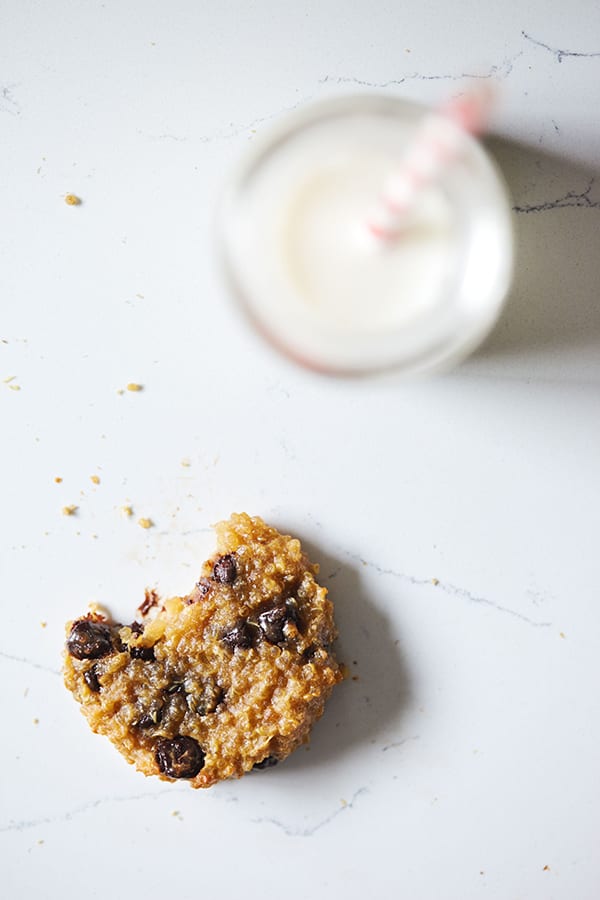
546 869
69 510
435 581
127 511
562 634
9 379
151 599
145 523
36 721
95 479
132 386
14 387
186 463
121 391
72 200
58 479
40 842
43 624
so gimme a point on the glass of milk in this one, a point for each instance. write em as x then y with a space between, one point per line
317 283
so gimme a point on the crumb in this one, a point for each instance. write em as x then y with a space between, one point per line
14 387
186 463
482 872
344 670
141 296
72 200
546 869
435 581
40 842
344 802
36 721
355 678
95 479
562 634
127 510
9 379
43 624
151 599
145 523
177 815
26 691
121 391
95 537
69 510
132 386
58 479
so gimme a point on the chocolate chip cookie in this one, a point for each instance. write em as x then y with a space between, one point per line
227 679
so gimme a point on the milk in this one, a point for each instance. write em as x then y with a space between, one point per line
321 286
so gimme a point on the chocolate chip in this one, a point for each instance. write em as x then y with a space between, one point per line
149 720
91 679
266 763
175 688
146 653
225 569
89 640
241 635
272 621
136 628
180 757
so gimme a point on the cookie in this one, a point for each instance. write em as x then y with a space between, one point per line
227 679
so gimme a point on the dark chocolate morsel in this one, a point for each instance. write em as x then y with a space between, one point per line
272 621
146 653
89 639
91 679
239 636
180 757
225 569
149 720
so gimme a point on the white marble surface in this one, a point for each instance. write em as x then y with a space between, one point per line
463 762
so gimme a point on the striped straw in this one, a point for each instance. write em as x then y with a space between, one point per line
435 146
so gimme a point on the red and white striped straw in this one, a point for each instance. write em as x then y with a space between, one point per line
436 146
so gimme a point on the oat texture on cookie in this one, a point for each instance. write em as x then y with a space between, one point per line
229 678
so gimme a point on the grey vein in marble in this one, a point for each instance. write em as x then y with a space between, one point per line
8 104
28 662
570 199
25 824
296 831
451 589
235 130
557 53
499 72
394 744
